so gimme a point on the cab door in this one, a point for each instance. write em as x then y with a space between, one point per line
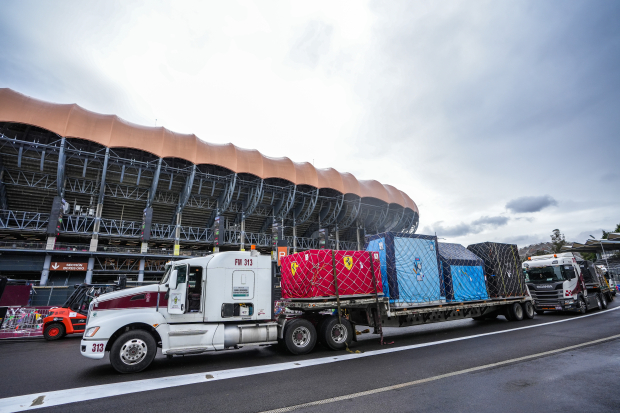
177 286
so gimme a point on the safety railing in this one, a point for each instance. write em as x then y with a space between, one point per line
23 322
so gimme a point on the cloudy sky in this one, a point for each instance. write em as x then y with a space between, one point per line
500 119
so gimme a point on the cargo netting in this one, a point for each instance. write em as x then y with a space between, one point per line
417 270
314 274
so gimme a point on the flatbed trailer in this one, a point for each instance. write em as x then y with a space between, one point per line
363 312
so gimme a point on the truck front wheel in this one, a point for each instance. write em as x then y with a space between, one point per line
299 336
133 351
335 335
582 305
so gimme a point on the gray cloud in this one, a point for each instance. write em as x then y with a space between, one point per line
527 204
497 221
462 229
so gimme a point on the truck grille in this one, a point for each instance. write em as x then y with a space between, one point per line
546 297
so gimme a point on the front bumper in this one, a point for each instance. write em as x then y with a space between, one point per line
557 307
93 349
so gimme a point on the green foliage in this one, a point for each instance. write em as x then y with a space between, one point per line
558 240
606 234
590 256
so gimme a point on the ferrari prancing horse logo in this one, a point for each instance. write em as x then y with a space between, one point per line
294 267
348 262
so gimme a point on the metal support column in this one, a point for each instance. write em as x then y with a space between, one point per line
46 270
94 242
183 198
60 188
149 201
89 272
141 271
359 245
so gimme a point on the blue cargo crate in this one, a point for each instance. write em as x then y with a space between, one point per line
462 273
409 267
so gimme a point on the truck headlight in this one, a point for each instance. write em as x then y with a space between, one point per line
91 332
569 301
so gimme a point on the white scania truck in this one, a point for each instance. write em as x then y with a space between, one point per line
226 300
557 283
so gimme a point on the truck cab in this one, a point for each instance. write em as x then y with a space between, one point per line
556 283
201 304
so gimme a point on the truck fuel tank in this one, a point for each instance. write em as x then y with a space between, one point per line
266 333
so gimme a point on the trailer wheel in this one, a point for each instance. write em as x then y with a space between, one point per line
582 305
603 301
515 312
299 336
599 304
133 351
54 331
335 335
528 310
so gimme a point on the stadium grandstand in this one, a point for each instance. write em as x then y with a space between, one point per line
86 197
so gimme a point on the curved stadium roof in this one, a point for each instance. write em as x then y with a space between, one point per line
71 120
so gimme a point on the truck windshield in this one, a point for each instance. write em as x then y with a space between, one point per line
164 280
544 274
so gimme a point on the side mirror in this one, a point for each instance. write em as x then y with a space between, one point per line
173 280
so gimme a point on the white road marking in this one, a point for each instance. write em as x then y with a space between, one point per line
80 394
439 377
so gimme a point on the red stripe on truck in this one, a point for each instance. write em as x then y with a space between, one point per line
142 300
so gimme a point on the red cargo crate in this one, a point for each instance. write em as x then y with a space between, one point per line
310 274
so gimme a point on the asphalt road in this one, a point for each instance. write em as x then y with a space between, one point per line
476 371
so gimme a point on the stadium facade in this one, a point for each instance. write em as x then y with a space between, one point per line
85 196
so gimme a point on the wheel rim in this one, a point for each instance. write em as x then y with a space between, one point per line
133 351
339 333
582 306
53 332
301 336
518 311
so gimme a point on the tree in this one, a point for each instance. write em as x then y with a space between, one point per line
558 241
606 234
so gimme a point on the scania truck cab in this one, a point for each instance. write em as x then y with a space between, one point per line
556 283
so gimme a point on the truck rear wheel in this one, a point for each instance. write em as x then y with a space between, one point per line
335 335
528 310
515 312
54 331
299 336
603 301
133 351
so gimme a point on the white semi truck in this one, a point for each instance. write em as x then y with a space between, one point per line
227 300
557 283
